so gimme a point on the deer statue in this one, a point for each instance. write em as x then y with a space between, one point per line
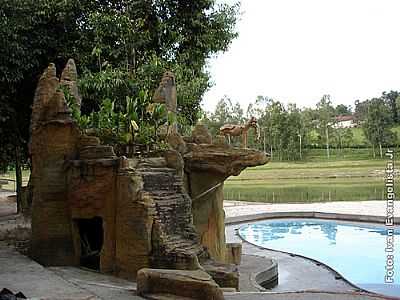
240 130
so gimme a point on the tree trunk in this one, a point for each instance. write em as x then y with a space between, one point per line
271 153
264 141
380 150
327 142
18 178
301 156
373 150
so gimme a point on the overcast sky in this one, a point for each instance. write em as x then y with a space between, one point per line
298 50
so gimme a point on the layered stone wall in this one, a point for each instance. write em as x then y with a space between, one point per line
92 192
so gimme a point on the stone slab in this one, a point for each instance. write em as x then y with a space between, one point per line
177 283
100 285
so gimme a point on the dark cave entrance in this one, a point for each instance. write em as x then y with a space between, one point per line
91 238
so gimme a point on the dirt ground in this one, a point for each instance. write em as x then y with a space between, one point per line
15 229
8 204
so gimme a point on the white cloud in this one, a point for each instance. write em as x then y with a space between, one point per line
298 50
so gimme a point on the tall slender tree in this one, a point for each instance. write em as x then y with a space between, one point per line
377 124
325 120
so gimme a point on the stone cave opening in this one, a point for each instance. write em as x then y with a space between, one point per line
91 236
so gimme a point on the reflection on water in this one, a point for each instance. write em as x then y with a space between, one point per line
273 231
357 251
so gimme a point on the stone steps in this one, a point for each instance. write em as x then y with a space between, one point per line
161 180
184 245
178 244
173 211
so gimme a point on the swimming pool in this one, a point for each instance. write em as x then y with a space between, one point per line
355 250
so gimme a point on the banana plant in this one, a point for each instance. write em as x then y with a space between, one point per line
158 116
131 120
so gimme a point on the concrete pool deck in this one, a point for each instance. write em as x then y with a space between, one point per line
19 273
366 208
299 278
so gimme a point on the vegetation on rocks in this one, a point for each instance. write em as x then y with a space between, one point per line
121 49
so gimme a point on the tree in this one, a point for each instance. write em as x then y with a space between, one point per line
260 109
137 39
237 116
294 132
147 37
30 32
347 137
377 125
325 119
342 109
360 111
225 113
390 98
307 128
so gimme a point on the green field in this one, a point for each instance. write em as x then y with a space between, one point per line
314 181
347 154
341 179
359 138
10 175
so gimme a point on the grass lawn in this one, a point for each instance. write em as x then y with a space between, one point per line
315 181
10 175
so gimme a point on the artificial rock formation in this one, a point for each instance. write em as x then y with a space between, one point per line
166 92
207 166
69 79
54 140
101 211
120 215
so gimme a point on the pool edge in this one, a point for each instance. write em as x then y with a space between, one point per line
316 215
308 214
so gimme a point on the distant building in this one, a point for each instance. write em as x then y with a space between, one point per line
345 122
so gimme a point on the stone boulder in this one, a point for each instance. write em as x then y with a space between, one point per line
176 142
47 86
88 140
176 284
69 79
220 140
222 161
200 135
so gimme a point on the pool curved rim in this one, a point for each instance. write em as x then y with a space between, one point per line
316 215
309 214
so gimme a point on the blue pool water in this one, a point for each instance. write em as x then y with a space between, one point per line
355 250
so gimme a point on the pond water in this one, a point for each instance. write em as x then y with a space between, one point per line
356 250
